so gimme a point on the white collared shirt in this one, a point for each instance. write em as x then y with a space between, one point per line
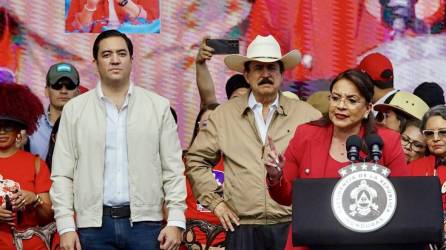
257 108
116 177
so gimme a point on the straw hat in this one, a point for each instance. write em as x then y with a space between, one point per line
405 102
263 49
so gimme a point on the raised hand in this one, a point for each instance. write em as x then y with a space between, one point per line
274 163
204 52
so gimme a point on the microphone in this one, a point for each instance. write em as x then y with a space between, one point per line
353 147
374 145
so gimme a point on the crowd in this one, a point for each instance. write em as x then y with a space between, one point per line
105 168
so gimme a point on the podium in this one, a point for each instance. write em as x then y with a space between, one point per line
417 221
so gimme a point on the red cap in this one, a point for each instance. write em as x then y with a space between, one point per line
377 66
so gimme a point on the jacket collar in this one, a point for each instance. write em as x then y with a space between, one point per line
243 104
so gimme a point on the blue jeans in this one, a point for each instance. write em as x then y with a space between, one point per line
117 233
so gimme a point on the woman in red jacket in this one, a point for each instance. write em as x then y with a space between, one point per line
433 128
317 149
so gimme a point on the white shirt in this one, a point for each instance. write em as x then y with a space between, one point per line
113 20
116 177
257 107
116 184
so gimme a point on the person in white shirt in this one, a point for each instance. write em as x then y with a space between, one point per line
117 160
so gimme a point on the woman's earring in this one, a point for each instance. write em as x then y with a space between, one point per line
19 138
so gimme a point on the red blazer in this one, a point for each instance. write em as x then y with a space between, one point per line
308 152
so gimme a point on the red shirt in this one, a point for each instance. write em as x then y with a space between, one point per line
196 211
101 15
20 167
307 156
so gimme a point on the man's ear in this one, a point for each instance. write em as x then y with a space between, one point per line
245 74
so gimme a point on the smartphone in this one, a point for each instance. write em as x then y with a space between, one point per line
223 46
8 203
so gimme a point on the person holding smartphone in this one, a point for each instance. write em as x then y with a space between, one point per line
237 131
29 206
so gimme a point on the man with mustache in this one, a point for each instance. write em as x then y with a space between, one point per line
239 130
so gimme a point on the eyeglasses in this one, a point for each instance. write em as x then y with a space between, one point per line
348 101
414 145
430 134
59 85
381 116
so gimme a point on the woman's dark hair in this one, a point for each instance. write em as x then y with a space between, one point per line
415 123
439 110
365 87
211 106
403 118
52 143
107 34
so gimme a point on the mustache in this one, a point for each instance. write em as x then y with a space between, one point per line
266 81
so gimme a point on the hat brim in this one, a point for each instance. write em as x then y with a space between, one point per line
69 76
20 123
237 62
385 107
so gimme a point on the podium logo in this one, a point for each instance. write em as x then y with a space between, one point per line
363 200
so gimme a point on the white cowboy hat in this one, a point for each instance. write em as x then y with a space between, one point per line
263 49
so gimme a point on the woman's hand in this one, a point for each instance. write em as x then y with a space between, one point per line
274 163
23 198
6 216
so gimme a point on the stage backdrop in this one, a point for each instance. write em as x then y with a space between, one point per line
333 36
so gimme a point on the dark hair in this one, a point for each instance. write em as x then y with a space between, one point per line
281 66
431 93
403 118
439 110
235 82
211 106
107 34
52 143
365 86
387 80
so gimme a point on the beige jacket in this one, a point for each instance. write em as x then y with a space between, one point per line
231 130
154 156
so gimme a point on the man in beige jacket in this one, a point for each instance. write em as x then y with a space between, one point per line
238 131
117 160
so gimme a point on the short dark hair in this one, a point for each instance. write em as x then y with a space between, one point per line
281 67
107 34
